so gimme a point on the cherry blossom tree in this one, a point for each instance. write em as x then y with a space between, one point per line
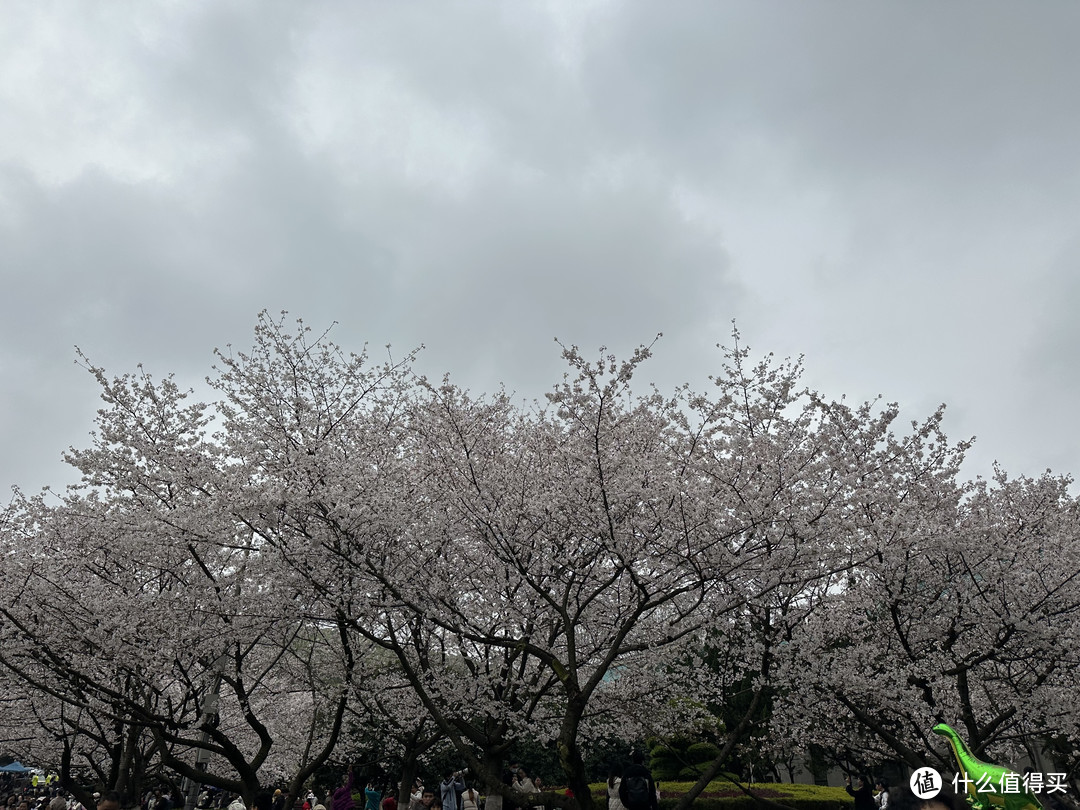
141 599
80 747
337 537
967 613
818 469
331 473
538 552
518 561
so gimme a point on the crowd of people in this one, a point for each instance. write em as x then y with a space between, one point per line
27 797
867 798
23 794
631 788
628 788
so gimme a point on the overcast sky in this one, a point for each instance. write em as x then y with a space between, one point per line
891 189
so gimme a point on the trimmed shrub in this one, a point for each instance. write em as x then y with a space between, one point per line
723 795
702 752
746 803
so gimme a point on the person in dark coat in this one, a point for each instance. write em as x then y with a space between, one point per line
343 799
864 796
637 789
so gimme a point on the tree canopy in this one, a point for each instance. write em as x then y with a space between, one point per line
236 586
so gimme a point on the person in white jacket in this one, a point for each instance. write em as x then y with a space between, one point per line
882 797
613 781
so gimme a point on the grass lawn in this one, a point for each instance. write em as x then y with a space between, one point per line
722 789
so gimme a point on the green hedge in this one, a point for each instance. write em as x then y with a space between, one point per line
746 803
796 796
701 752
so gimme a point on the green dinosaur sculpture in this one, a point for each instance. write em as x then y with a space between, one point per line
981 773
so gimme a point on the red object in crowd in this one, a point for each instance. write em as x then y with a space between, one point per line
389 803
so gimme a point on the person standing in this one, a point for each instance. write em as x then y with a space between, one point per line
451 785
422 799
637 789
882 797
343 799
526 785
614 779
863 795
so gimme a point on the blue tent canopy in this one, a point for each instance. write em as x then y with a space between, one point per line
14 767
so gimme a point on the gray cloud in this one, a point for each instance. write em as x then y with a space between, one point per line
889 189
